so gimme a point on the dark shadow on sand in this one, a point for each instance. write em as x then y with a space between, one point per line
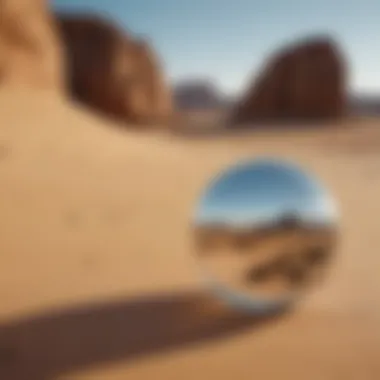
44 346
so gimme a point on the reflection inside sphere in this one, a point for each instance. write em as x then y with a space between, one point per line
264 233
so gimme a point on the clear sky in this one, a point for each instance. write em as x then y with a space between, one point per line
228 40
252 193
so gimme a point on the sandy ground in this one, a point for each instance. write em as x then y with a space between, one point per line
97 275
231 265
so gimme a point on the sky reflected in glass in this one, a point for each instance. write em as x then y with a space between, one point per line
257 192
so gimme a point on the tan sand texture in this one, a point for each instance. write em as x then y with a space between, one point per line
98 279
30 49
278 264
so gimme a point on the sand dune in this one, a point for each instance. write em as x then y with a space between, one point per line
97 275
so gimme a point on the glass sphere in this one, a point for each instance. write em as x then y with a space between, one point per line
265 231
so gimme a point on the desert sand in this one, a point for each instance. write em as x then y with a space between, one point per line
266 267
98 279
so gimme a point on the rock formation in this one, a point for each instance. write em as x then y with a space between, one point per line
198 95
305 81
113 72
29 46
364 105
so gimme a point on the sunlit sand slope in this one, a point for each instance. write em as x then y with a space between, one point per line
95 219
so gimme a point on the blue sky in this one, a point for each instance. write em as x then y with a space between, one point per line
250 193
228 40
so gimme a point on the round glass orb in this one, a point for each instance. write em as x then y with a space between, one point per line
264 232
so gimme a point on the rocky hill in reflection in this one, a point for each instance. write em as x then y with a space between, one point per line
289 246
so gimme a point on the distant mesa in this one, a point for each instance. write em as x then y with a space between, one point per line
368 105
198 94
30 50
113 72
304 81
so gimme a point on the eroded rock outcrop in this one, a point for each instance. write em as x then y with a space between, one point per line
30 50
113 72
305 81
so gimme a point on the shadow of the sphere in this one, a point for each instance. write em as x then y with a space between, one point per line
44 346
